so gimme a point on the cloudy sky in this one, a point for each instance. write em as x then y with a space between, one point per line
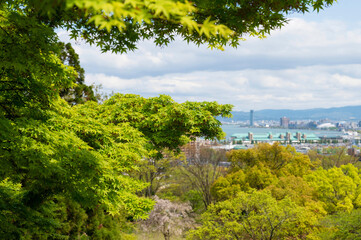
314 61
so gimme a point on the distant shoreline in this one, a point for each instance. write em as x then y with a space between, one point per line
279 127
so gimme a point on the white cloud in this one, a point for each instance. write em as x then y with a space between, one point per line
306 64
300 43
347 81
298 88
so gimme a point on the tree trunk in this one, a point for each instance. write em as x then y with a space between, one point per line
166 235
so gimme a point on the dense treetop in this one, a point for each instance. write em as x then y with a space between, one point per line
272 192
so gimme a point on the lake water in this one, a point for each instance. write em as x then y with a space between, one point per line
233 128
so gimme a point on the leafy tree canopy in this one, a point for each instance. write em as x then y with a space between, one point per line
343 226
119 25
258 177
85 154
338 188
165 123
255 215
280 160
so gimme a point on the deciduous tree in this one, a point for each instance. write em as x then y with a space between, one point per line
338 188
255 215
202 168
343 226
282 161
119 25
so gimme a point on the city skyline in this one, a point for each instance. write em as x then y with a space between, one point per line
350 113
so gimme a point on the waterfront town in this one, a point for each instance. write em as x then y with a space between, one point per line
303 135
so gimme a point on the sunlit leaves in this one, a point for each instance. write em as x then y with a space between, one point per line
30 73
255 215
74 155
338 188
282 161
343 225
114 13
117 25
165 123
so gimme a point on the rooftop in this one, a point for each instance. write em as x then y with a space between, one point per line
279 136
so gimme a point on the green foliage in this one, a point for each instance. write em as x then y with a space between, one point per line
338 188
296 188
257 177
177 188
79 154
157 173
228 187
81 92
301 193
165 123
71 156
195 198
255 215
281 161
30 73
119 25
259 168
325 197
101 225
342 226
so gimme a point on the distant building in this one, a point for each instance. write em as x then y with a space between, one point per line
312 124
353 125
359 123
283 137
326 120
251 119
284 121
293 125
